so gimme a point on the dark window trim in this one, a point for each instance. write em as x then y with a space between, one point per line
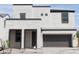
65 21
51 11
23 19
46 14
16 36
29 4
22 15
41 14
58 29
22 4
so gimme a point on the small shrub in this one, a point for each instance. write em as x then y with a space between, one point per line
77 34
6 44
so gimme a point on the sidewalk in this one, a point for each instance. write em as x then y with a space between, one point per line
42 51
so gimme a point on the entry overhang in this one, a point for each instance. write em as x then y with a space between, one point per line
58 31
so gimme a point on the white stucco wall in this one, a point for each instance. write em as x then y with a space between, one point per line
23 24
22 9
53 20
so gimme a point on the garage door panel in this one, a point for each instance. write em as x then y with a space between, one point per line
55 44
57 40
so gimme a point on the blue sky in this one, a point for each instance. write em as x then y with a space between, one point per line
7 8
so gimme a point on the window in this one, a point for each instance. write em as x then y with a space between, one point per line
18 36
64 16
22 15
41 14
46 14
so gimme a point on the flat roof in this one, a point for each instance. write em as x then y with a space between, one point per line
58 29
40 6
22 4
31 5
23 19
53 10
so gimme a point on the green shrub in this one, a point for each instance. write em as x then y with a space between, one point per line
7 41
6 44
77 34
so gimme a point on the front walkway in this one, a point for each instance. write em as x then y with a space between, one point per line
42 51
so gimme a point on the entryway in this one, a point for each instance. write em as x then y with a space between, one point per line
15 38
30 38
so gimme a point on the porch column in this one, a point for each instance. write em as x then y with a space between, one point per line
39 38
22 38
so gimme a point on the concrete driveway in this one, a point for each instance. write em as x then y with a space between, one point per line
47 50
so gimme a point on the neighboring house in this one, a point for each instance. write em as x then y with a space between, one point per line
39 26
3 30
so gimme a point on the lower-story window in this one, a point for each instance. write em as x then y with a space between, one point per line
18 36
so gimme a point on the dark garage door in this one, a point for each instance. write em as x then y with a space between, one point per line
57 41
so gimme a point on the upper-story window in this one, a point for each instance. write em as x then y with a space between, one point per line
64 16
41 14
46 14
22 15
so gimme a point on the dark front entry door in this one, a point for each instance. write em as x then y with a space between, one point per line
34 38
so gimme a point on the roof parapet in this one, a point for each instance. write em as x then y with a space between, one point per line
53 10
31 5
40 6
21 4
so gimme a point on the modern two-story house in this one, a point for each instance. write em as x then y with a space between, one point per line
39 26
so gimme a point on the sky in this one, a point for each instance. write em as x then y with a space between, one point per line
8 8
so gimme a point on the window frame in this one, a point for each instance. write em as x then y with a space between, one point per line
65 17
17 36
41 14
46 14
22 15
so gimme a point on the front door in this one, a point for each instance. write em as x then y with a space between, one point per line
34 39
30 38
